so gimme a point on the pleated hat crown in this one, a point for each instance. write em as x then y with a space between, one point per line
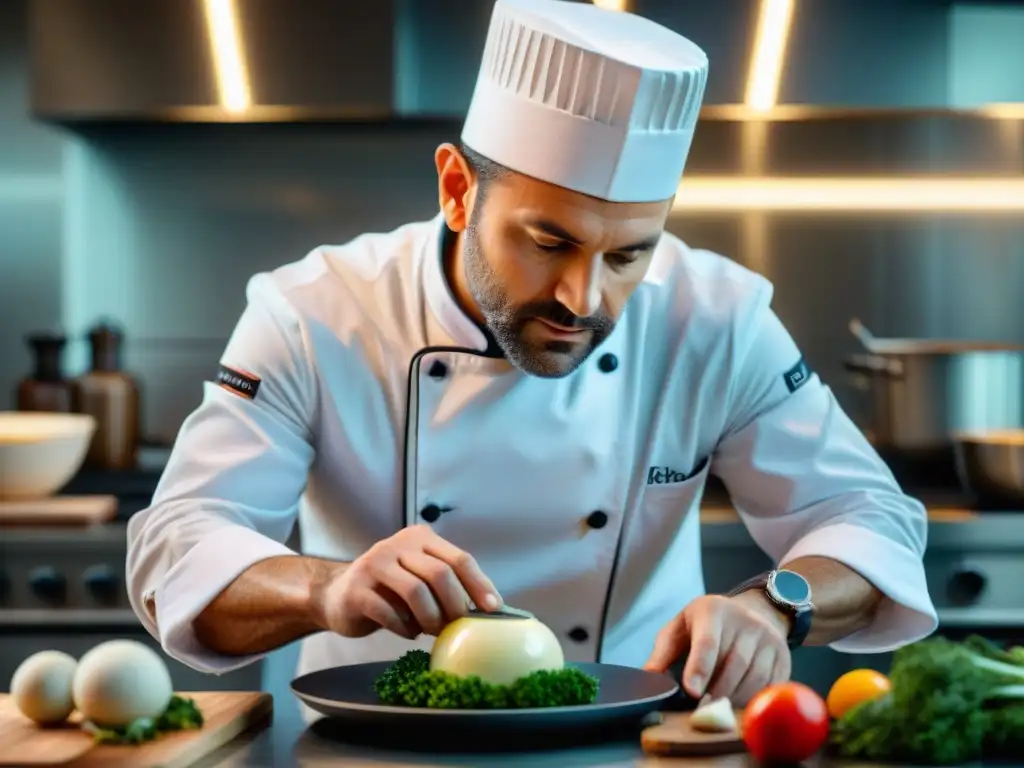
599 102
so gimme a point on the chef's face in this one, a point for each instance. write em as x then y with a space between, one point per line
548 270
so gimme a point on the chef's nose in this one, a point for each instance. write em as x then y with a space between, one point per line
579 286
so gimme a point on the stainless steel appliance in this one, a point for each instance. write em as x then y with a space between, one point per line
62 588
991 466
922 391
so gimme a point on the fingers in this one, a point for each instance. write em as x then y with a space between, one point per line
429 576
473 579
760 674
730 650
672 642
782 667
448 591
705 641
414 593
377 609
739 657
404 613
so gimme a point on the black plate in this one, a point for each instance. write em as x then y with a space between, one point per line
346 693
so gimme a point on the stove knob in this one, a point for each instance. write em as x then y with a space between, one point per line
48 584
102 582
966 585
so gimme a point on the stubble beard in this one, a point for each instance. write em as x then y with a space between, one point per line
550 359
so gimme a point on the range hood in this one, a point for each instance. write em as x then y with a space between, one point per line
298 61
283 61
213 60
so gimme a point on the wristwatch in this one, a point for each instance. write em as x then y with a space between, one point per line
790 593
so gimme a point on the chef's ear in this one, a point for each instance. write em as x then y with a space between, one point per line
456 186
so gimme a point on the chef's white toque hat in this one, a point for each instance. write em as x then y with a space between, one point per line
597 101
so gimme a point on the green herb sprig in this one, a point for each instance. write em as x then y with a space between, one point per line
181 714
409 682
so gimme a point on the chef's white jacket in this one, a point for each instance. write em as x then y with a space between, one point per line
357 395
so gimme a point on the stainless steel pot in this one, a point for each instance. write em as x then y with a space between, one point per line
922 391
991 466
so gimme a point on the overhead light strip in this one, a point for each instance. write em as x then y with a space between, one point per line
838 194
769 53
1005 110
228 59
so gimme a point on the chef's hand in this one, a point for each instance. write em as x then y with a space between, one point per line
411 583
734 646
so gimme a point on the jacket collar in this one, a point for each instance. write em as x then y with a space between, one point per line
462 329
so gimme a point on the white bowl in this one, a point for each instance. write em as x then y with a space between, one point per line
41 452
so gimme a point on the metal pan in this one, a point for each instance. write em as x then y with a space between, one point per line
922 390
626 695
991 467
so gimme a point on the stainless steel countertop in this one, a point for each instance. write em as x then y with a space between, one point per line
290 743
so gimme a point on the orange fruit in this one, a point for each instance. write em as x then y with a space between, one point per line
855 688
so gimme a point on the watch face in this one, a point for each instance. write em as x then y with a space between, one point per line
791 587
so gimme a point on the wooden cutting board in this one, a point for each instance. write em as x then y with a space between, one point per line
675 736
226 715
59 510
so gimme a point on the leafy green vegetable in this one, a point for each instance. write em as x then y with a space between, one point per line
950 703
410 683
181 714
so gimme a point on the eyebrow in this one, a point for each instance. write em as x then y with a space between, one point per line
555 230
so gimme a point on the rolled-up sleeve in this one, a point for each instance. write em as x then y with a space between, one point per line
806 482
229 495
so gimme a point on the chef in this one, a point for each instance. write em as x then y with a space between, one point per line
521 401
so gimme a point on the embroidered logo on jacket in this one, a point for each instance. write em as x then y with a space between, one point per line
668 476
797 376
238 381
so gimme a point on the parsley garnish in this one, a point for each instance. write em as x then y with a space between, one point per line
181 714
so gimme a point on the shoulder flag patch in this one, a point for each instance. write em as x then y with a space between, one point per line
238 381
797 376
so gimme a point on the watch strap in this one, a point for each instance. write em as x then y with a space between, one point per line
801 626
760 581
801 615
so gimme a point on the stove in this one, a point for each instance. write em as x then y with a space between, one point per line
63 588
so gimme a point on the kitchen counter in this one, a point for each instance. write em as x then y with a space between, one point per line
289 743
947 525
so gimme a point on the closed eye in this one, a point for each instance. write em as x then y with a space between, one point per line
621 259
559 247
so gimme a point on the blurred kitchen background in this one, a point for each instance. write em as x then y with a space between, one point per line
866 155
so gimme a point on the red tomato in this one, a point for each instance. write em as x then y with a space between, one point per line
785 723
